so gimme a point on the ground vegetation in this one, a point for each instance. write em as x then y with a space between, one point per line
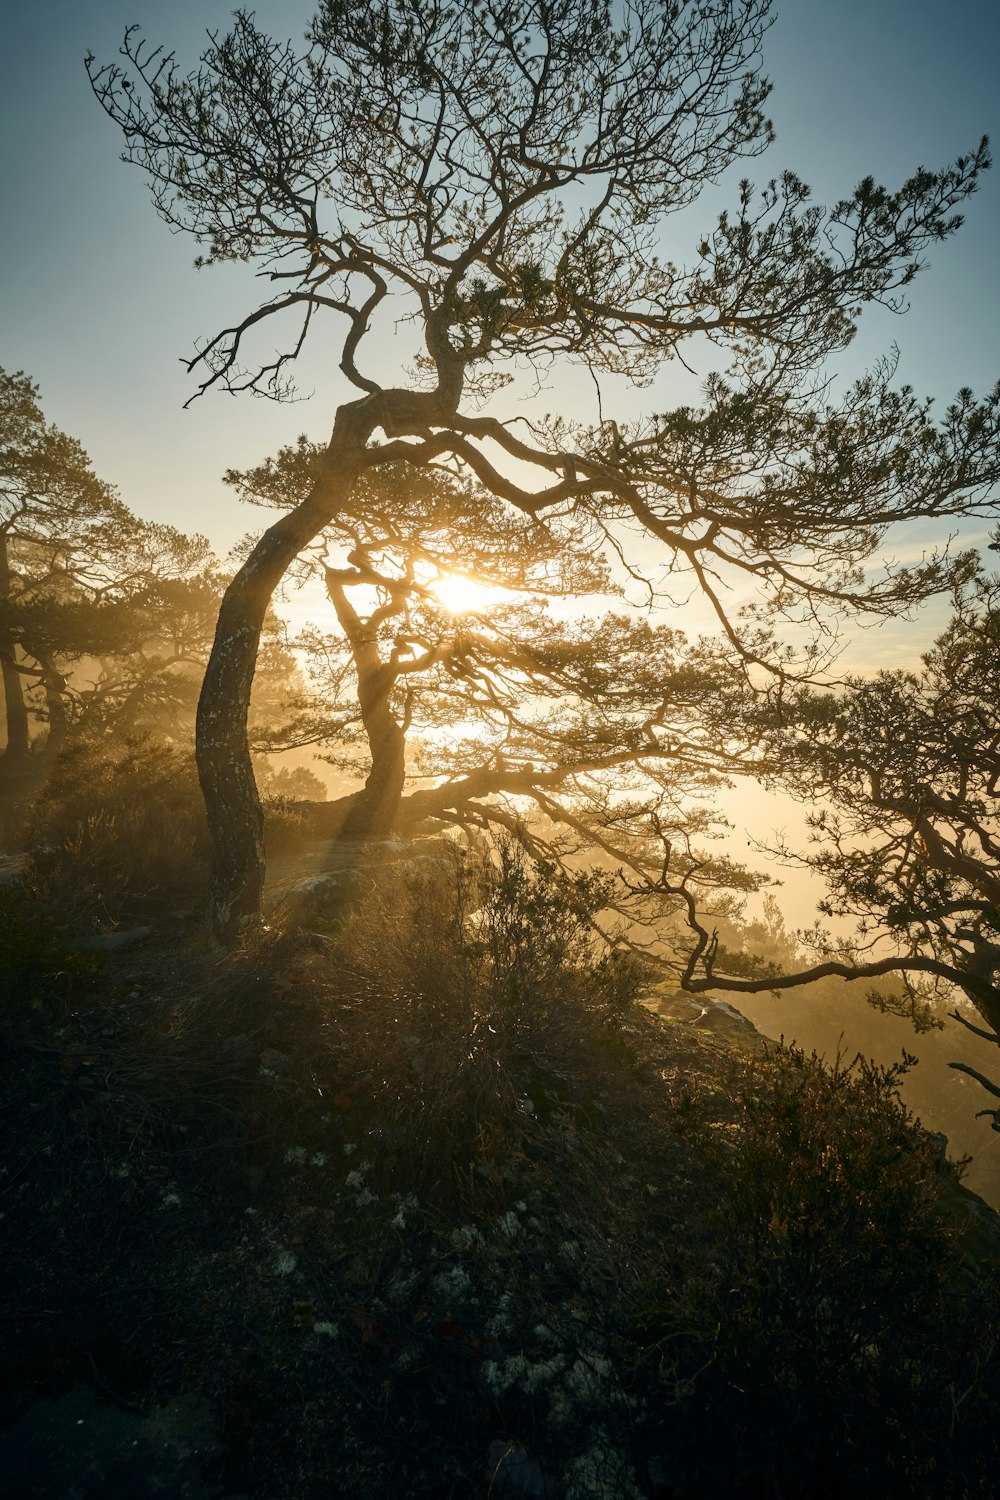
429 1202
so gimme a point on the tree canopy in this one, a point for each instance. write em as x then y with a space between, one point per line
502 180
516 711
106 620
902 770
103 617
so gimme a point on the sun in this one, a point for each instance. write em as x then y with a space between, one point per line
461 595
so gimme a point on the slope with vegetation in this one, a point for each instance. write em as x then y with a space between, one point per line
429 1203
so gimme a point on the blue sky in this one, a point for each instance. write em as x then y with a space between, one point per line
100 302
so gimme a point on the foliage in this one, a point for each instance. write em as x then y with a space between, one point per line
569 733
416 1215
39 960
490 970
283 789
904 768
288 783
118 829
834 1015
286 826
502 183
103 617
823 1328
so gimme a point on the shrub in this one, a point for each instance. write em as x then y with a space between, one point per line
476 991
35 962
118 827
286 825
417 1202
465 1181
823 1344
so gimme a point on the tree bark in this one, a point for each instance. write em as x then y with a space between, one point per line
232 806
373 812
235 819
54 684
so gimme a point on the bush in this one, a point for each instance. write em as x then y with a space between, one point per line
286 825
466 1050
420 1207
35 962
824 1343
118 828
476 992
761 1302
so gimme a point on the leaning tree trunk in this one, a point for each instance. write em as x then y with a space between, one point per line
18 738
235 820
372 811
55 685
232 806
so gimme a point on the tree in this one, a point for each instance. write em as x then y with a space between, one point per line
50 501
503 177
106 621
147 672
570 734
903 770
104 618
380 560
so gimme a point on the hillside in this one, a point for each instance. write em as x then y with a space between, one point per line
417 1197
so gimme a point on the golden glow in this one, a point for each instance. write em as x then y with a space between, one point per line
461 595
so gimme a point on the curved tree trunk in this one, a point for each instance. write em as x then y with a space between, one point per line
232 806
18 739
372 812
54 684
235 820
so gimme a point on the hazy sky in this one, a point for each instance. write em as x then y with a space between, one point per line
100 302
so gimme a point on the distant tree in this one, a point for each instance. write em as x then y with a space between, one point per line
50 503
148 673
105 620
903 773
288 783
499 178
143 672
